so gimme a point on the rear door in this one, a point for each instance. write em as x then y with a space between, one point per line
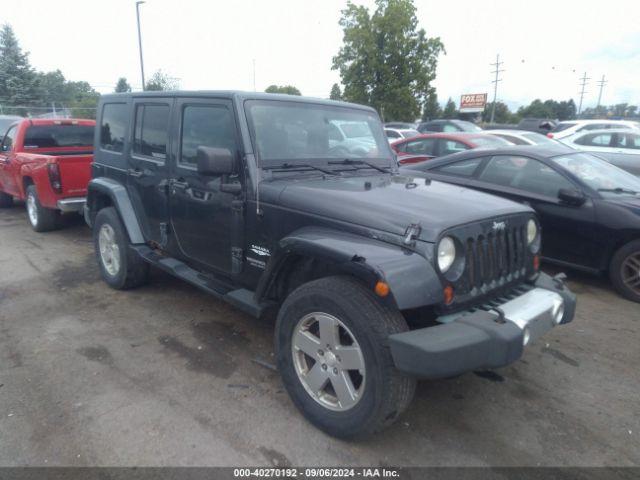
202 215
627 152
8 181
147 172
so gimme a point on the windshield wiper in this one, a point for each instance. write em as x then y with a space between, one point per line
618 190
350 161
293 166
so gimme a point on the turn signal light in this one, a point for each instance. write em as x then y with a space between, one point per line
448 295
536 262
382 289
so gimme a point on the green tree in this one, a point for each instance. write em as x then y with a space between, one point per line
502 115
385 60
160 81
335 94
18 80
432 109
450 109
287 89
122 86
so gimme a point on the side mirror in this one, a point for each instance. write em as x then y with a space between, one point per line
214 161
571 197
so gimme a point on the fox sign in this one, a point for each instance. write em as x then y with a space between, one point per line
473 102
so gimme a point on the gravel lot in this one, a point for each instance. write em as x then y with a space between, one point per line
166 375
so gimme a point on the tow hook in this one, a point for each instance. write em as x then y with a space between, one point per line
558 280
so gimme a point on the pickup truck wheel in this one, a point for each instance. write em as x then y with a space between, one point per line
624 271
41 219
120 267
335 362
5 200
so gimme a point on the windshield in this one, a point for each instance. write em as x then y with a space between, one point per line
597 173
54 136
467 126
294 131
490 141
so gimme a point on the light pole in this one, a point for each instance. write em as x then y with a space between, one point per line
138 3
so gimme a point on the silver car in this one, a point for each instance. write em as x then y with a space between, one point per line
621 147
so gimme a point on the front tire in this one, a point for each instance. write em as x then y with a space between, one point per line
624 271
6 200
121 268
333 355
41 219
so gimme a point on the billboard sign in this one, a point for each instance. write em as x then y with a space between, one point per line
473 102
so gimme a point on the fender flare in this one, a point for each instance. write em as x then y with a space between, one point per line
411 277
121 201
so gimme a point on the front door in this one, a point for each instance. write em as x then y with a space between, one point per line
7 175
147 171
202 215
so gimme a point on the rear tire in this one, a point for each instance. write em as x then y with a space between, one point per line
41 219
6 201
121 267
624 271
376 393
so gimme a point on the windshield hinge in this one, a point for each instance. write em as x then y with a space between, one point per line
411 233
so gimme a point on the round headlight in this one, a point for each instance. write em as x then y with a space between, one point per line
532 231
446 254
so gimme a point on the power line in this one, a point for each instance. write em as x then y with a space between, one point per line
497 72
601 84
583 83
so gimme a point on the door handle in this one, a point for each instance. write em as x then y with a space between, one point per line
136 173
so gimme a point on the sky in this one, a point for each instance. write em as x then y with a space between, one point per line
546 46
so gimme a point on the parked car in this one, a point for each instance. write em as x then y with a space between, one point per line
345 136
538 125
400 125
588 208
395 134
620 147
373 276
566 129
6 121
47 164
431 145
523 137
448 126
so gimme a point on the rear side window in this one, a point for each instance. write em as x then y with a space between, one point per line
113 126
151 131
7 142
463 168
595 139
207 126
563 126
512 139
56 136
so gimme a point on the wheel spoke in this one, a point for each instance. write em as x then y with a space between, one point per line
317 378
350 358
328 331
633 281
633 262
344 389
307 343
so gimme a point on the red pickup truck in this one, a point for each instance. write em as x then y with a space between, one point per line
46 163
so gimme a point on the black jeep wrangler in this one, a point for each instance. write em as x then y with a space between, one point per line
288 204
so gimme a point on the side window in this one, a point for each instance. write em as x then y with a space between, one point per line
205 125
9 138
464 168
629 140
113 126
151 131
595 140
420 147
525 174
392 134
512 139
449 127
452 146
335 134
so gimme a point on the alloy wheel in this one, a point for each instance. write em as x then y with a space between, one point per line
109 250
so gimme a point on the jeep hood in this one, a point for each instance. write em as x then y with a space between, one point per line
389 203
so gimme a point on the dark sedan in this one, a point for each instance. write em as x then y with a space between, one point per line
588 208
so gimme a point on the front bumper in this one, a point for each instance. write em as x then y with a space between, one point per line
485 338
71 204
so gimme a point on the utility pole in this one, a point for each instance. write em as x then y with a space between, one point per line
601 85
497 72
583 83
138 3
